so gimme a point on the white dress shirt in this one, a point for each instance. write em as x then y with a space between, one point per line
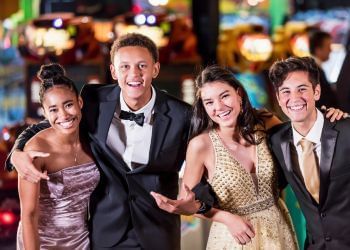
129 140
314 136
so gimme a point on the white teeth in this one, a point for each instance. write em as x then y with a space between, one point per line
67 124
224 114
296 107
134 84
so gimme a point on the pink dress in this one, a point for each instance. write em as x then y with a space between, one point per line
63 208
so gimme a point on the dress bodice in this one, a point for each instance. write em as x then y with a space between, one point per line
63 208
252 196
237 191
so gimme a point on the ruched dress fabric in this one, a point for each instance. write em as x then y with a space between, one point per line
254 199
63 208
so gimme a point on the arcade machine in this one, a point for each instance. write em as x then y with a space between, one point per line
247 49
62 38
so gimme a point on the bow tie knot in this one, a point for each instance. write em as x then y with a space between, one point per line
138 118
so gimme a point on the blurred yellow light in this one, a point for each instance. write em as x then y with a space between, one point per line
256 47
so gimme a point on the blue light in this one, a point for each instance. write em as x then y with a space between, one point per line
151 19
57 23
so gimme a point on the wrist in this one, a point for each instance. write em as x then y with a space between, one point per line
203 208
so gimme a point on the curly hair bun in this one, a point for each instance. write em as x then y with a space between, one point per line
50 71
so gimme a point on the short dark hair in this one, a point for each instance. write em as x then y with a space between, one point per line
280 70
316 39
53 74
135 39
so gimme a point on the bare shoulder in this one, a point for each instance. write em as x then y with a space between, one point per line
39 142
200 143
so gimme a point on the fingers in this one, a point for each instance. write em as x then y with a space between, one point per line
346 115
334 114
164 203
34 154
32 174
189 194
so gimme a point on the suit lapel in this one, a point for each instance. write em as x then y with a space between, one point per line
160 126
107 107
286 139
328 141
286 142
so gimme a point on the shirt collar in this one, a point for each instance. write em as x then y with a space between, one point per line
315 132
146 110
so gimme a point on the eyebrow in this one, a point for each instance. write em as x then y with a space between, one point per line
222 93
52 106
299 86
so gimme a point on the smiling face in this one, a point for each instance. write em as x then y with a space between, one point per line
221 102
297 98
134 69
62 108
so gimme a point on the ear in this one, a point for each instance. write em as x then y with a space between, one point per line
43 112
156 68
317 92
113 72
278 98
80 102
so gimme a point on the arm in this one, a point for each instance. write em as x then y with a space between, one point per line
186 204
22 161
29 198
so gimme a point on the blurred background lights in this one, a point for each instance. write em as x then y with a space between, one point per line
140 19
57 23
158 2
151 19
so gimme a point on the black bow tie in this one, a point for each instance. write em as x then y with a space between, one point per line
138 118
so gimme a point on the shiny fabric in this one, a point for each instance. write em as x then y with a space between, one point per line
255 199
63 208
309 169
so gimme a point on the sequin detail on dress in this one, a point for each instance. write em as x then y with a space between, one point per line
63 208
257 201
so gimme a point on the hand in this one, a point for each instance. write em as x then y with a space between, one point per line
185 206
241 230
23 162
334 114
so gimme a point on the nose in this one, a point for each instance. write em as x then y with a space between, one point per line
63 113
135 70
295 94
218 105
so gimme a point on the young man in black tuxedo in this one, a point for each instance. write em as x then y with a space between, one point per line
138 136
313 154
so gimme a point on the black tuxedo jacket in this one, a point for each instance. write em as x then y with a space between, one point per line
328 223
123 196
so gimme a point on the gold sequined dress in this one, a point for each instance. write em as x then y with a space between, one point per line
254 199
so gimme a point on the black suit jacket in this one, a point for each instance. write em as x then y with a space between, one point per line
327 222
123 196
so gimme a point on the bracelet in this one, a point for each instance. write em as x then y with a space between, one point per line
203 208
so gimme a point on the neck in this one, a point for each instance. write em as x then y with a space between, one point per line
137 103
304 127
71 139
232 133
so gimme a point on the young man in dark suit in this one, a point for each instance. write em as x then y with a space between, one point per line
314 154
138 136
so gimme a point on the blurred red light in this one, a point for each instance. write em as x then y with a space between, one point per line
7 218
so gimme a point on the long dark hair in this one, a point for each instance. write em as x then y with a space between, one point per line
246 120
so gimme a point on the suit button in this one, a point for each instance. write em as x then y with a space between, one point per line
323 215
328 238
132 198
